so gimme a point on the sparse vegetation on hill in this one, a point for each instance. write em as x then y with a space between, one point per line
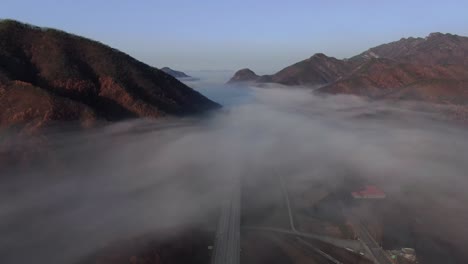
47 75
432 69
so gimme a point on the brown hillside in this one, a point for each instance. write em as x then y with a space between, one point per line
49 75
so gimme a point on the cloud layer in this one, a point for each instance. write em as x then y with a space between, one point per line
134 177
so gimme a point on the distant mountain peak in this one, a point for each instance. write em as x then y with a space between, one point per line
174 73
244 75
246 70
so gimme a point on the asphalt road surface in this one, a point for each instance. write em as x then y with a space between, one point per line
227 244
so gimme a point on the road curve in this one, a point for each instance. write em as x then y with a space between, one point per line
338 242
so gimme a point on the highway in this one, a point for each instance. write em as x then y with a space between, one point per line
227 243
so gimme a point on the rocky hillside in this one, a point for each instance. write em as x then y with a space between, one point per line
433 69
384 78
435 49
316 70
48 75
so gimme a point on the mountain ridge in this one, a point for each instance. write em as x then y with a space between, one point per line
425 69
73 78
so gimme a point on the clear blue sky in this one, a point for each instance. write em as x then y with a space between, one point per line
222 34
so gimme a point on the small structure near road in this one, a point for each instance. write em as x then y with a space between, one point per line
369 192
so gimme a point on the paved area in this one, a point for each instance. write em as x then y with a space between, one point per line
227 245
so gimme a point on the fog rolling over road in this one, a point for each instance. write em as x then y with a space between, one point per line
227 242
130 178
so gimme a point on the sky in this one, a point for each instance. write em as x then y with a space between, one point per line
265 36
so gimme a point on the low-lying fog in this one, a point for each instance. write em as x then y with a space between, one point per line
128 178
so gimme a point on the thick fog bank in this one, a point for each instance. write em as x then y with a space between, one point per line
135 177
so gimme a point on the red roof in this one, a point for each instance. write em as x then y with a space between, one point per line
369 191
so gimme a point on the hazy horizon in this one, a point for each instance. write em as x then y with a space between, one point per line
264 36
